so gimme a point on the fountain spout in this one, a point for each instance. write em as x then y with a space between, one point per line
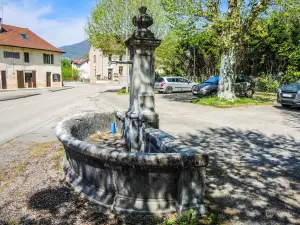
119 62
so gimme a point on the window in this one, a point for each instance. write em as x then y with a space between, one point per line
120 57
56 78
48 59
24 36
121 70
28 77
240 79
95 72
173 80
160 80
26 57
12 55
94 58
109 58
98 77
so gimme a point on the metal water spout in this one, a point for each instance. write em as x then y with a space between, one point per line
119 62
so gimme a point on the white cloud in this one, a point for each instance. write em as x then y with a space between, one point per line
57 31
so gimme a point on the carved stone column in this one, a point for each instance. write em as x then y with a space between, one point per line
141 112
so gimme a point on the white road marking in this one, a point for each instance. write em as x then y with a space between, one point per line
31 103
6 109
53 98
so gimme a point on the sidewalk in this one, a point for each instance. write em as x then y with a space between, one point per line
11 94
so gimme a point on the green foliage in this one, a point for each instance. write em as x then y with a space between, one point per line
123 91
188 219
268 84
68 73
223 103
109 20
292 75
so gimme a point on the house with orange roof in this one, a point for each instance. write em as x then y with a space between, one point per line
27 60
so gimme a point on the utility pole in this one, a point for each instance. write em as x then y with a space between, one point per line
127 66
2 9
194 62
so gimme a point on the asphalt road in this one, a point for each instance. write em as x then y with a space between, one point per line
35 118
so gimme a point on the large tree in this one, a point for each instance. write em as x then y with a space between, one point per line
111 19
230 19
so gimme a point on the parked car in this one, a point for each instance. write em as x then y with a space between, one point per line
244 86
173 84
289 95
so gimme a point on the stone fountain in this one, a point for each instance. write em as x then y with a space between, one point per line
157 174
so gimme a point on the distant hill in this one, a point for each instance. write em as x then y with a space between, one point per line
76 51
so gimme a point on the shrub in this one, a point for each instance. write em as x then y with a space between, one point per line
268 84
291 76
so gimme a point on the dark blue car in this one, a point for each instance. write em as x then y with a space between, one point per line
244 86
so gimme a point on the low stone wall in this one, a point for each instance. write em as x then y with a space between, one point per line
166 177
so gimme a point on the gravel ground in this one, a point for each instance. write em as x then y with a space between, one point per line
35 192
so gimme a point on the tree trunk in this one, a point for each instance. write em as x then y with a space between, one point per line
227 75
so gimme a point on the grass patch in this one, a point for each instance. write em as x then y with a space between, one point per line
123 91
6 177
191 219
20 168
58 155
39 152
223 103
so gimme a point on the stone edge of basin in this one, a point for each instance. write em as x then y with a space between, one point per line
185 156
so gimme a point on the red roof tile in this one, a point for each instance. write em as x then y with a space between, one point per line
79 61
12 37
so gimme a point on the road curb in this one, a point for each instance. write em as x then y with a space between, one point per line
17 97
61 89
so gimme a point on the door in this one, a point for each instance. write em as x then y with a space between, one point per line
28 79
240 86
48 79
34 79
109 74
3 80
20 78
185 84
174 83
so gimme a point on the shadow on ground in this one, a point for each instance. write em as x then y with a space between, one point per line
252 178
61 205
291 116
113 90
179 97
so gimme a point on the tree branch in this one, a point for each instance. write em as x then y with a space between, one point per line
257 8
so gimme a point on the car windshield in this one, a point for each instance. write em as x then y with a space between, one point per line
291 88
212 80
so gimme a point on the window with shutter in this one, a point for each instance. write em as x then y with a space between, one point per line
47 59
12 55
26 57
52 59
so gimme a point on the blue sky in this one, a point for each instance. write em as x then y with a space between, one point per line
60 22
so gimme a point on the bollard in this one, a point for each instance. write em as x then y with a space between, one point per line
113 128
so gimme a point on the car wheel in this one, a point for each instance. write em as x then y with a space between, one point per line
169 90
249 93
213 93
286 106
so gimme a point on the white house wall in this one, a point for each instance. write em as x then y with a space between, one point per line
36 63
84 69
100 67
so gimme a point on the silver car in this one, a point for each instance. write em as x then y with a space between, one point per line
173 84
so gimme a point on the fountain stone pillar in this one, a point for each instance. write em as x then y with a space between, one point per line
141 113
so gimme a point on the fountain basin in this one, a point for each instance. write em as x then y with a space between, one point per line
166 177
